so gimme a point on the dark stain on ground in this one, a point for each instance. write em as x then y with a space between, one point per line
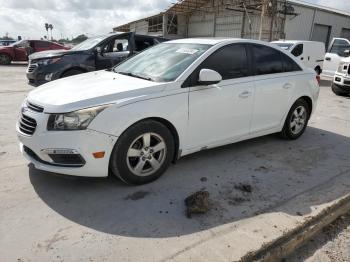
137 195
244 188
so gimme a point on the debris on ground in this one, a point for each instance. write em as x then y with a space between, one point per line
261 168
244 188
197 203
137 195
204 179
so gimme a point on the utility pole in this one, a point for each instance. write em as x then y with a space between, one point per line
263 10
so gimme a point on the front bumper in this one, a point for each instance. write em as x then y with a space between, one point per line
40 74
84 143
341 82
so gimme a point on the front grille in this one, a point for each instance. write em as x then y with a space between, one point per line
35 108
27 125
347 82
31 68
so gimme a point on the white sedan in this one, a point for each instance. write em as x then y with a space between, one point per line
171 100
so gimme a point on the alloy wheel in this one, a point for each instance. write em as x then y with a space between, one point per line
298 120
146 154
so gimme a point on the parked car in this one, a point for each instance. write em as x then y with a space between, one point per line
20 50
95 53
310 53
6 42
169 101
341 79
338 49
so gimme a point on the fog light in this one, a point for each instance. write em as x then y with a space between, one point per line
48 77
338 79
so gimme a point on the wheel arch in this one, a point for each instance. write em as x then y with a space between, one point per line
309 102
171 128
73 68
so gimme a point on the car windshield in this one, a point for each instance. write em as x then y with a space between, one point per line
163 62
285 46
89 43
18 43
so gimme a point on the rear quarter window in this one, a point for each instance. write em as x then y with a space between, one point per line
266 60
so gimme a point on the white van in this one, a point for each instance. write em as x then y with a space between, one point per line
337 51
310 53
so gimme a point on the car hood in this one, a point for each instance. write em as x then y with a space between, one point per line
91 89
346 59
49 53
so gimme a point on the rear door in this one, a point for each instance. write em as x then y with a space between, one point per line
334 55
274 84
20 51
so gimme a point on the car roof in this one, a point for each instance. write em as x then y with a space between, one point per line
216 40
294 41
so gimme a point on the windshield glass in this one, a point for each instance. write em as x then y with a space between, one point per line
163 62
88 43
285 46
19 43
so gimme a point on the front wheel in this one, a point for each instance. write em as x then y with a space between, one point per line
143 153
296 120
337 91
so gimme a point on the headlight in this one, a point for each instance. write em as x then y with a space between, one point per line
77 120
49 61
343 67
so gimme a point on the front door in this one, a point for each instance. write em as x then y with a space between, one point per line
113 51
334 55
221 112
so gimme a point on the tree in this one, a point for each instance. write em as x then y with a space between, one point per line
51 27
47 29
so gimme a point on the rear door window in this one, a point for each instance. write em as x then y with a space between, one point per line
298 50
266 60
289 65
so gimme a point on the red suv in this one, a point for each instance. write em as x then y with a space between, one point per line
20 50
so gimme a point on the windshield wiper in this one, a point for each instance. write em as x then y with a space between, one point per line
135 75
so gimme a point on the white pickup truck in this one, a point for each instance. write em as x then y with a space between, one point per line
337 65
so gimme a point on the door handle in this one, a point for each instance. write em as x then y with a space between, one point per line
328 58
287 86
244 94
302 58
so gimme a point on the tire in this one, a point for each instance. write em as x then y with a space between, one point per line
5 59
337 92
132 159
296 121
72 72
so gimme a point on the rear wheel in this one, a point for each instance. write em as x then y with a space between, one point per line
5 59
296 120
72 72
143 153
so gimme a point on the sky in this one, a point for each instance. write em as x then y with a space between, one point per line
91 17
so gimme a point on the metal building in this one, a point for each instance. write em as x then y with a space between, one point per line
258 19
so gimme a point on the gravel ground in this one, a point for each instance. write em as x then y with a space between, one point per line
330 245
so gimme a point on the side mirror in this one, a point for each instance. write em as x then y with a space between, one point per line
98 50
347 52
209 77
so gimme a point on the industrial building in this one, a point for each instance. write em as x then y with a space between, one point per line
256 19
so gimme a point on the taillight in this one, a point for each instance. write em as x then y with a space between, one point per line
318 79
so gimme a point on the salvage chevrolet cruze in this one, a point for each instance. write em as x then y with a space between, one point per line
171 100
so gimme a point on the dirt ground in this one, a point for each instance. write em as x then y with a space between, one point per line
330 245
47 217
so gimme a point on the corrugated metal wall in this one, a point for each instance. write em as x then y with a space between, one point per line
228 24
201 25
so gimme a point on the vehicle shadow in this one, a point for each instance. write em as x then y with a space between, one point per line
277 170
